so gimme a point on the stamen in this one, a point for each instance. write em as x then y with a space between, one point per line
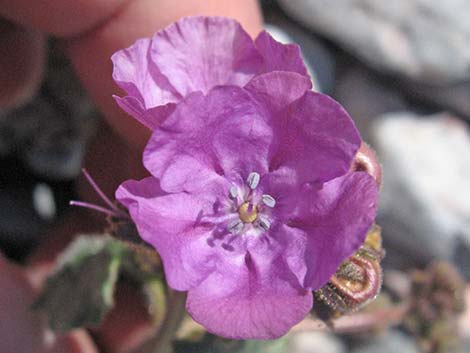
114 211
111 213
268 200
233 192
99 191
235 226
264 223
253 180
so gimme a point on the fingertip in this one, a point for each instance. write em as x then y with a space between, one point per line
91 52
21 70
62 18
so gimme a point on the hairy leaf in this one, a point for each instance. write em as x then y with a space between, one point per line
80 292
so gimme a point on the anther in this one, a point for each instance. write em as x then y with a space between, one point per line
233 192
253 180
264 224
268 200
235 226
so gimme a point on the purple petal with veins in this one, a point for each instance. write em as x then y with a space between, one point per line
252 202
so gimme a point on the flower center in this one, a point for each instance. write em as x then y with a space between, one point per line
254 212
248 212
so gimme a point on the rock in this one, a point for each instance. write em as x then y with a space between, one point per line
464 318
425 199
50 132
365 98
423 40
455 97
461 257
465 348
315 342
319 59
391 341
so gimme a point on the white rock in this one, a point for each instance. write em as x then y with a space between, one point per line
392 341
365 98
423 39
425 200
454 97
315 342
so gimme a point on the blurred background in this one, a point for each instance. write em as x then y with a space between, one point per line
400 68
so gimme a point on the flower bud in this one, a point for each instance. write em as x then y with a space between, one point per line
366 161
358 279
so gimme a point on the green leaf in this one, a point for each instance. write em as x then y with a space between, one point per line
81 290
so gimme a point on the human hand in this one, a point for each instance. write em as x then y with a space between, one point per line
91 31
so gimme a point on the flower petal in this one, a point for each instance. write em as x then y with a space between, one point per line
329 225
151 118
199 53
316 138
278 56
222 133
136 73
250 298
170 224
278 89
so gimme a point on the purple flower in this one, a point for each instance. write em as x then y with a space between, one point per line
251 203
194 54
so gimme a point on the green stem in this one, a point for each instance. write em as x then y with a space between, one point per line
162 341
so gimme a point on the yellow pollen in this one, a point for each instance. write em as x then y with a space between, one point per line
246 215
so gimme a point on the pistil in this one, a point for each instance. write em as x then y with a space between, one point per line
248 212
